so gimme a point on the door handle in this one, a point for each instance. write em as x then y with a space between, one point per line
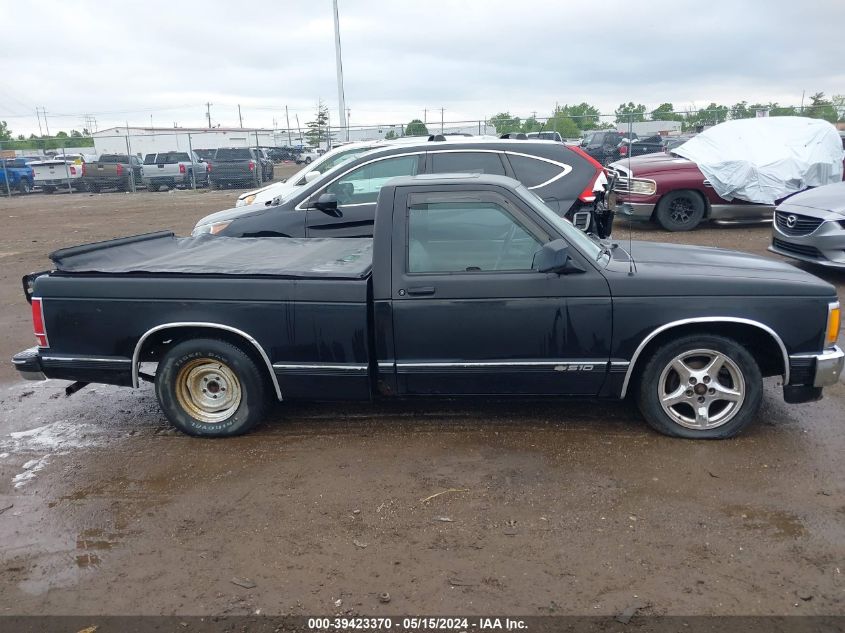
419 291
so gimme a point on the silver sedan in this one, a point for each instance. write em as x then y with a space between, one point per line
810 226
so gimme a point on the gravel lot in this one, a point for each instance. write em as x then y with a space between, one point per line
546 508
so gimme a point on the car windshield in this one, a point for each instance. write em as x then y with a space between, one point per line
328 161
585 244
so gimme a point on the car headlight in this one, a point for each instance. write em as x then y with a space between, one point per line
642 187
212 228
249 199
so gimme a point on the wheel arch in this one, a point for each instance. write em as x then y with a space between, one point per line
764 344
156 338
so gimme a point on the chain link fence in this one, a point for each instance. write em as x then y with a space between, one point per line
133 159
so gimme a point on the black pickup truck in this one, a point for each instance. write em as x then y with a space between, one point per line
470 286
240 166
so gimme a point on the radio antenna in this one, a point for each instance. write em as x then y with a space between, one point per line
631 268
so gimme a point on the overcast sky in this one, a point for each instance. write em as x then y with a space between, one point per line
130 61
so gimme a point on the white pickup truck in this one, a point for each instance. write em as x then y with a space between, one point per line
171 169
60 172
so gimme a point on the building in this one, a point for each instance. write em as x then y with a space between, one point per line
149 140
650 128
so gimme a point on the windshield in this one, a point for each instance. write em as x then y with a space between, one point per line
330 160
585 244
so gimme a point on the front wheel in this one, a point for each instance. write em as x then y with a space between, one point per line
211 388
680 210
700 387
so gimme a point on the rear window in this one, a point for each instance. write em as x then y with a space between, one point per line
150 159
467 163
233 153
113 158
171 158
531 171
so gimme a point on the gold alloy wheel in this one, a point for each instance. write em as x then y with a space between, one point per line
208 390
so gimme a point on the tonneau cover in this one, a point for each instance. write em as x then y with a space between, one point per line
163 252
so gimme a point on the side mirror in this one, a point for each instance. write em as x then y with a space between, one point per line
311 176
554 258
327 203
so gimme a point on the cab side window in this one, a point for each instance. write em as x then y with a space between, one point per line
454 237
361 185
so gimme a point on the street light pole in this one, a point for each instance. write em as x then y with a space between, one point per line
341 98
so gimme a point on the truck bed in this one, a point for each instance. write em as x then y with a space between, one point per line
164 253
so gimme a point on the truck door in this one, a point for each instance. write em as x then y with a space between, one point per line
356 192
471 316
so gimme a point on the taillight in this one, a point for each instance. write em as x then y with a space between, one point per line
597 182
208 168
119 169
181 168
623 150
72 170
38 322
252 165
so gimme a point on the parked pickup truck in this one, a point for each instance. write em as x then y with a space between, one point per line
18 173
172 169
239 166
112 171
471 286
60 172
640 146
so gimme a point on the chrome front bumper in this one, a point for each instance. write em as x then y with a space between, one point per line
826 366
635 210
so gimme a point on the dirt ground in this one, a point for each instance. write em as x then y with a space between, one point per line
524 508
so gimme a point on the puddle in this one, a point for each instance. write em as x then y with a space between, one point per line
783 523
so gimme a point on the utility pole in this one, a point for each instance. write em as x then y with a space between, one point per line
425 116
298 128
348 119
38 114
208 112
287 120
341 97
441 120
46 125
240 118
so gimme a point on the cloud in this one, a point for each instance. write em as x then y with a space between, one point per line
125 62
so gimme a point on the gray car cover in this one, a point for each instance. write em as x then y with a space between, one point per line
766 159
163 252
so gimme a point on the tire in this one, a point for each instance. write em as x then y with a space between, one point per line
24 186
152 187
680 210
671 402
48 189
195 374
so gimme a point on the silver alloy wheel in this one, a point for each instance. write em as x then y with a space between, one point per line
701 389
208 390
681 210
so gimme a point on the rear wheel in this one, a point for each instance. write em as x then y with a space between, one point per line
152 187
700 387
24 186
211 388
680 210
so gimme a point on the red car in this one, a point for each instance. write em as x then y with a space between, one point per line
673 192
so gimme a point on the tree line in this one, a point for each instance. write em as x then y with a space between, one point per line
60 140
571 120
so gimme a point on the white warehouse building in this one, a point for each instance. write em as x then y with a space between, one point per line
148 140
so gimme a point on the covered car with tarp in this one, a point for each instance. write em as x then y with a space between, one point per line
766 159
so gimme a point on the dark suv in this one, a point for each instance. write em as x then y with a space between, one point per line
342 202
604 145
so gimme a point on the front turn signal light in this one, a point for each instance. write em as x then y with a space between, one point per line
834 319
